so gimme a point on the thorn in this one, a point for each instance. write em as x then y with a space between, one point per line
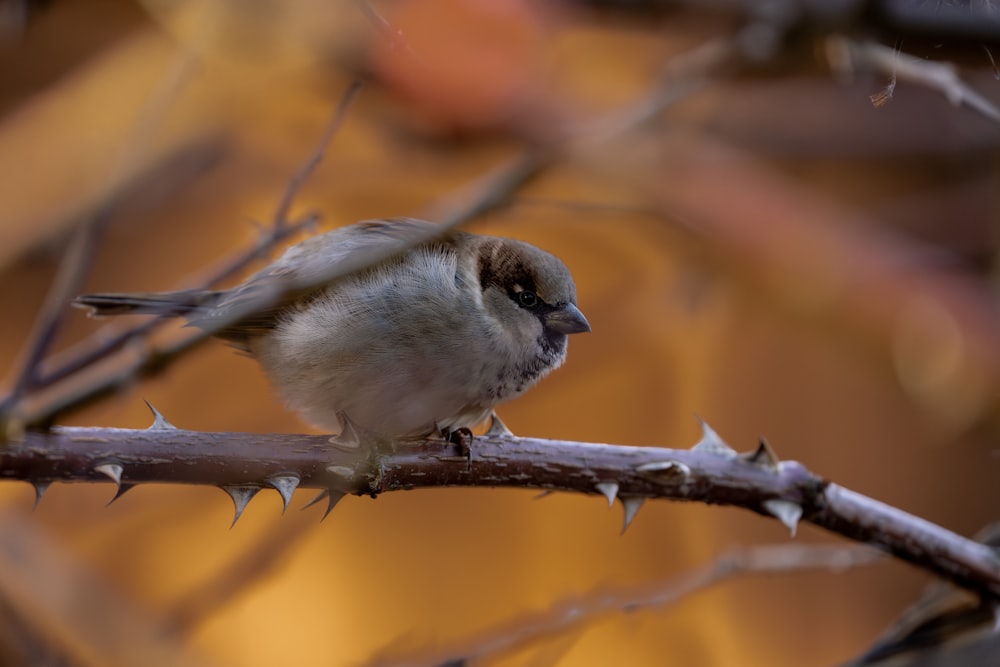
665 469
610 491
319 496
122 488
159 422
711 442
497 427
285 485
112 471
785 511
631 506
763 456
332 498
345 472
40 489
331 501
241 494
348 437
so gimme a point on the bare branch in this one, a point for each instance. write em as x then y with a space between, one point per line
305 171
847 54
87 235
709 473
567 615
234 578
39 578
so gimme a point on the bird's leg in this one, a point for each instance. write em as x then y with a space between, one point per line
461 438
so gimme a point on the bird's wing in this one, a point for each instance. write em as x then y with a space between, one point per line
254 307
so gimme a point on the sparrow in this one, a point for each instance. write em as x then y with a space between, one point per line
429 339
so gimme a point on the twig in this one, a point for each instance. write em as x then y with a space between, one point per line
878 283
83 245
100 346
40 578
298 179
233 578
382 25
711 474
847 54
278 232
95 352
686 74
567 615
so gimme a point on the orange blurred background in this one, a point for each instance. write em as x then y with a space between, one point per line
772 254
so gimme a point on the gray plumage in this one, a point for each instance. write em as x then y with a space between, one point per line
431 338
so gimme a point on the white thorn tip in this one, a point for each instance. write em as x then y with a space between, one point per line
341 471
711 442
112 471
631 506
159 422
319 496
785 511
348 437
610 491
331 501
332 498
285 485
497 427
665 468
241 494
40 489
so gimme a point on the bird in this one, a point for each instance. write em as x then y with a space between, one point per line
428 340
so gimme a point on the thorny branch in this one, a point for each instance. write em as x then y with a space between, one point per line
630 475
711 472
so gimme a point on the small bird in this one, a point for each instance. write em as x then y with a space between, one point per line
427 340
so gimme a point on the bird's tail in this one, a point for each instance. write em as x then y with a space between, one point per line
171 304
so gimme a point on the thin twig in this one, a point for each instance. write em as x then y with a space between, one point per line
80 254
306 170
234 578
93 353
848 54
383 26
567 615
41 579
100 346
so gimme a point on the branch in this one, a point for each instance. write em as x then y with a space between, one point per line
711 472
847 55
566 615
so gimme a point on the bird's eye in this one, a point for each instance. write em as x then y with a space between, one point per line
527 298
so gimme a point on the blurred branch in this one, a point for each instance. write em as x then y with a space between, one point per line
711 473
86 237
48 589
847 55
684 74
936 323
102 347
564 616
235 577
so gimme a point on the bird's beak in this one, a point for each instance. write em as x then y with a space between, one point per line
567 319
